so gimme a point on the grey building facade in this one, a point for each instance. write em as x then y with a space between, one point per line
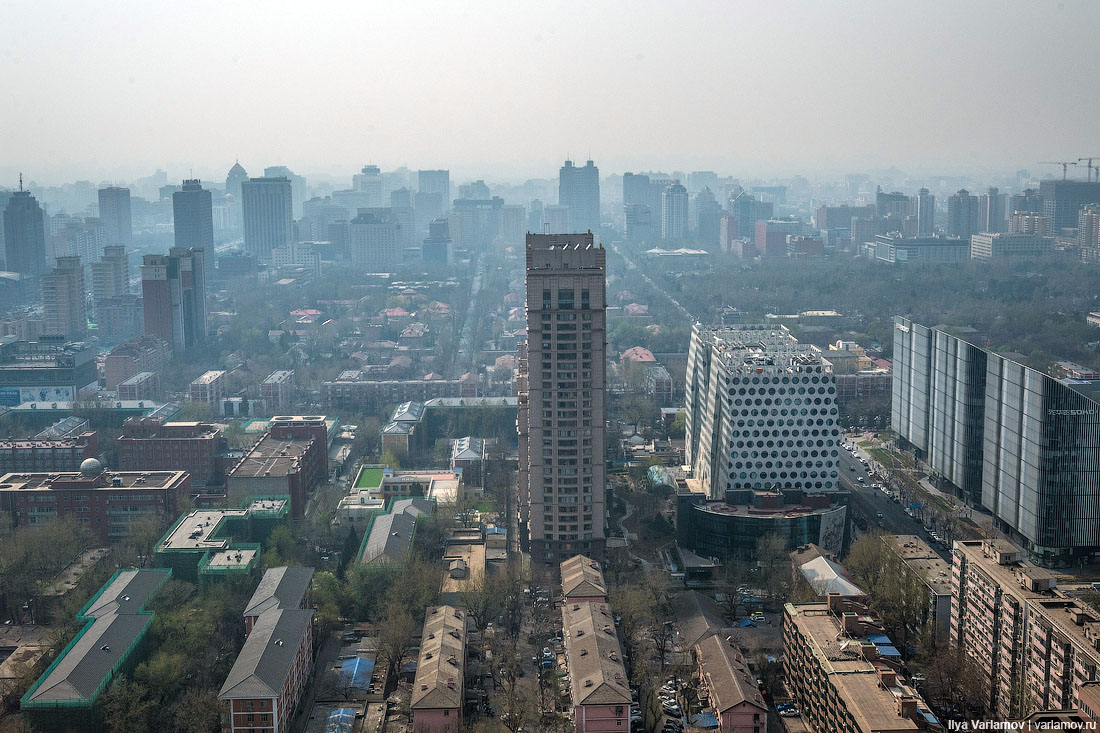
266 205
1023 444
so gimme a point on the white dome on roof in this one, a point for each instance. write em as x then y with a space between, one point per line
91 467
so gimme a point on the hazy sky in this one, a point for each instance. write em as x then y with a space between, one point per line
112 90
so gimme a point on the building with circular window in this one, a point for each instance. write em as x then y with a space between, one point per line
761 412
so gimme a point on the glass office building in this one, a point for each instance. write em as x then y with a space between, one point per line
1023 444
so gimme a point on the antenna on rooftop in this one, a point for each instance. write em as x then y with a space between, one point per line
20 181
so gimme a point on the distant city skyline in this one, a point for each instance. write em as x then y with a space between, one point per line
769 88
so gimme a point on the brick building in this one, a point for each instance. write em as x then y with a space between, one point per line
106 503
730 687
282 587
439 688
278 390
277 466
141 354
152 443
598 682
49 456
843 672
262 691
1037 646
351 390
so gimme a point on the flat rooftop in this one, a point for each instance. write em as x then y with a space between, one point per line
231 559
209 377
73 480
272 457
919 555
873 705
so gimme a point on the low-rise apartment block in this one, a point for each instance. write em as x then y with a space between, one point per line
265 685
582 580
141 354
439 688
730 687
1037 645
210 388
919 558
844 673
283 587
141 386
278 390
597 678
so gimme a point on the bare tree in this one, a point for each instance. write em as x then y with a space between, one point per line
395 634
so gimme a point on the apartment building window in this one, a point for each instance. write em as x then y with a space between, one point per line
565 299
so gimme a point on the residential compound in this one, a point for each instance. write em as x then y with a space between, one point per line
1022 444
1036 645
761 412
561 383
438 692
844 673
934 573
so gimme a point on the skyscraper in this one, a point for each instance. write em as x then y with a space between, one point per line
1063 199
373 242
561 397
173 288
991 211
114 213
962 214
438 181
926 213
579 189
24 235
237 176
674 212
297 186
193 213
266 204
63 300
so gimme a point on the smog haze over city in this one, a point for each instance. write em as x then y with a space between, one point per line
508 88
549 367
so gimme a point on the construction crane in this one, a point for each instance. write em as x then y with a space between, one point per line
1064 163
1090 166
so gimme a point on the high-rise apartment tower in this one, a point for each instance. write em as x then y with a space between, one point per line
561 397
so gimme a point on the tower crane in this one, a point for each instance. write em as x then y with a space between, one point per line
1064 163
1090 166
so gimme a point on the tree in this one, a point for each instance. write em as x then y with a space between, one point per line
395 634
774 562
390 459
198 711
481 599
349 551
128 707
